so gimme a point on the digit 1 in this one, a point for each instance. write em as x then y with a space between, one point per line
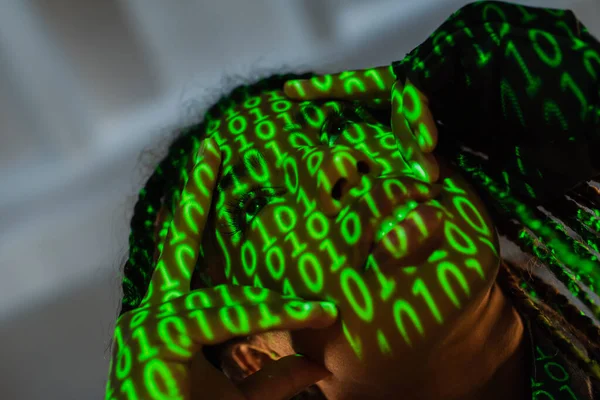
451 187
366 150
146 351
245 144
338 260
542 355
269 241
299 248
267 320
309 206
280 157
168 283
527 16
128 389
568 389
534 83
387 285
567 80
376 77
355 342
259 117
419 288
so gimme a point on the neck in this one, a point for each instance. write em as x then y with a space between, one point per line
490 355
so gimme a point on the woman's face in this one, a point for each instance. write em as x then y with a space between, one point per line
324 211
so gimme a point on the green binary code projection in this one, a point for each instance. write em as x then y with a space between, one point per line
316 200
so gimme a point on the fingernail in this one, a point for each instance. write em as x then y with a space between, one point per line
300 305
419 171
201 150
329 308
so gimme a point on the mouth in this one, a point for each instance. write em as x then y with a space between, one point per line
409 231
409 241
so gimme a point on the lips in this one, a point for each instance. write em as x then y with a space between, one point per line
411 241
419 222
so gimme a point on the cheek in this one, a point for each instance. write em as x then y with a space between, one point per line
471 232
294 255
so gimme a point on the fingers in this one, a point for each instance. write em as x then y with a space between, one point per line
163 341
223 296
212 316
415 107
368 85
175 264
205 327
282 379
169 343
423 165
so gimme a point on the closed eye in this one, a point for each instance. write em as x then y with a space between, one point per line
334 123
338 120
333 127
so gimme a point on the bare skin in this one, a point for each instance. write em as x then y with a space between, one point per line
478 351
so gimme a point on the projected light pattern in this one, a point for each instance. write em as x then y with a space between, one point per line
318 201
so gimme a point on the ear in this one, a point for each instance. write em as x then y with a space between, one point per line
250 358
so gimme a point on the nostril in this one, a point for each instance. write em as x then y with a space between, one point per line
336 192
362 167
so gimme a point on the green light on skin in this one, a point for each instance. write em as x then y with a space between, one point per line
399 215
419 171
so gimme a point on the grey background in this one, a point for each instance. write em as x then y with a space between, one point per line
85 86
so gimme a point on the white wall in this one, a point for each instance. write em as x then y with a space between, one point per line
85 86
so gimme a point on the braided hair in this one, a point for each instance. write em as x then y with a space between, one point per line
545 238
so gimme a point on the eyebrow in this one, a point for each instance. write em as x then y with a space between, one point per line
240 170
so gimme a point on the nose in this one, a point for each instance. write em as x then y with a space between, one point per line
342 170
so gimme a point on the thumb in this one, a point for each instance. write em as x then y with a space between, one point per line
282 379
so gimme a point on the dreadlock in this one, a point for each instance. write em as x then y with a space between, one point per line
545 236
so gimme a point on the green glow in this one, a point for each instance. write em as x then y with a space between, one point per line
364 310
354 341
443 268
164 333
452 232
420 289
568 83
249 258
419 171
589 55
268 319
160 382
479 225
324 85
552 61
534 82
508 93
383 343
472 263
311 272
403 307
304 243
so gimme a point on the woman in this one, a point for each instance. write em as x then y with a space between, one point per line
323 200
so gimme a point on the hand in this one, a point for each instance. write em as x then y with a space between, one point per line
412 122
157 347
